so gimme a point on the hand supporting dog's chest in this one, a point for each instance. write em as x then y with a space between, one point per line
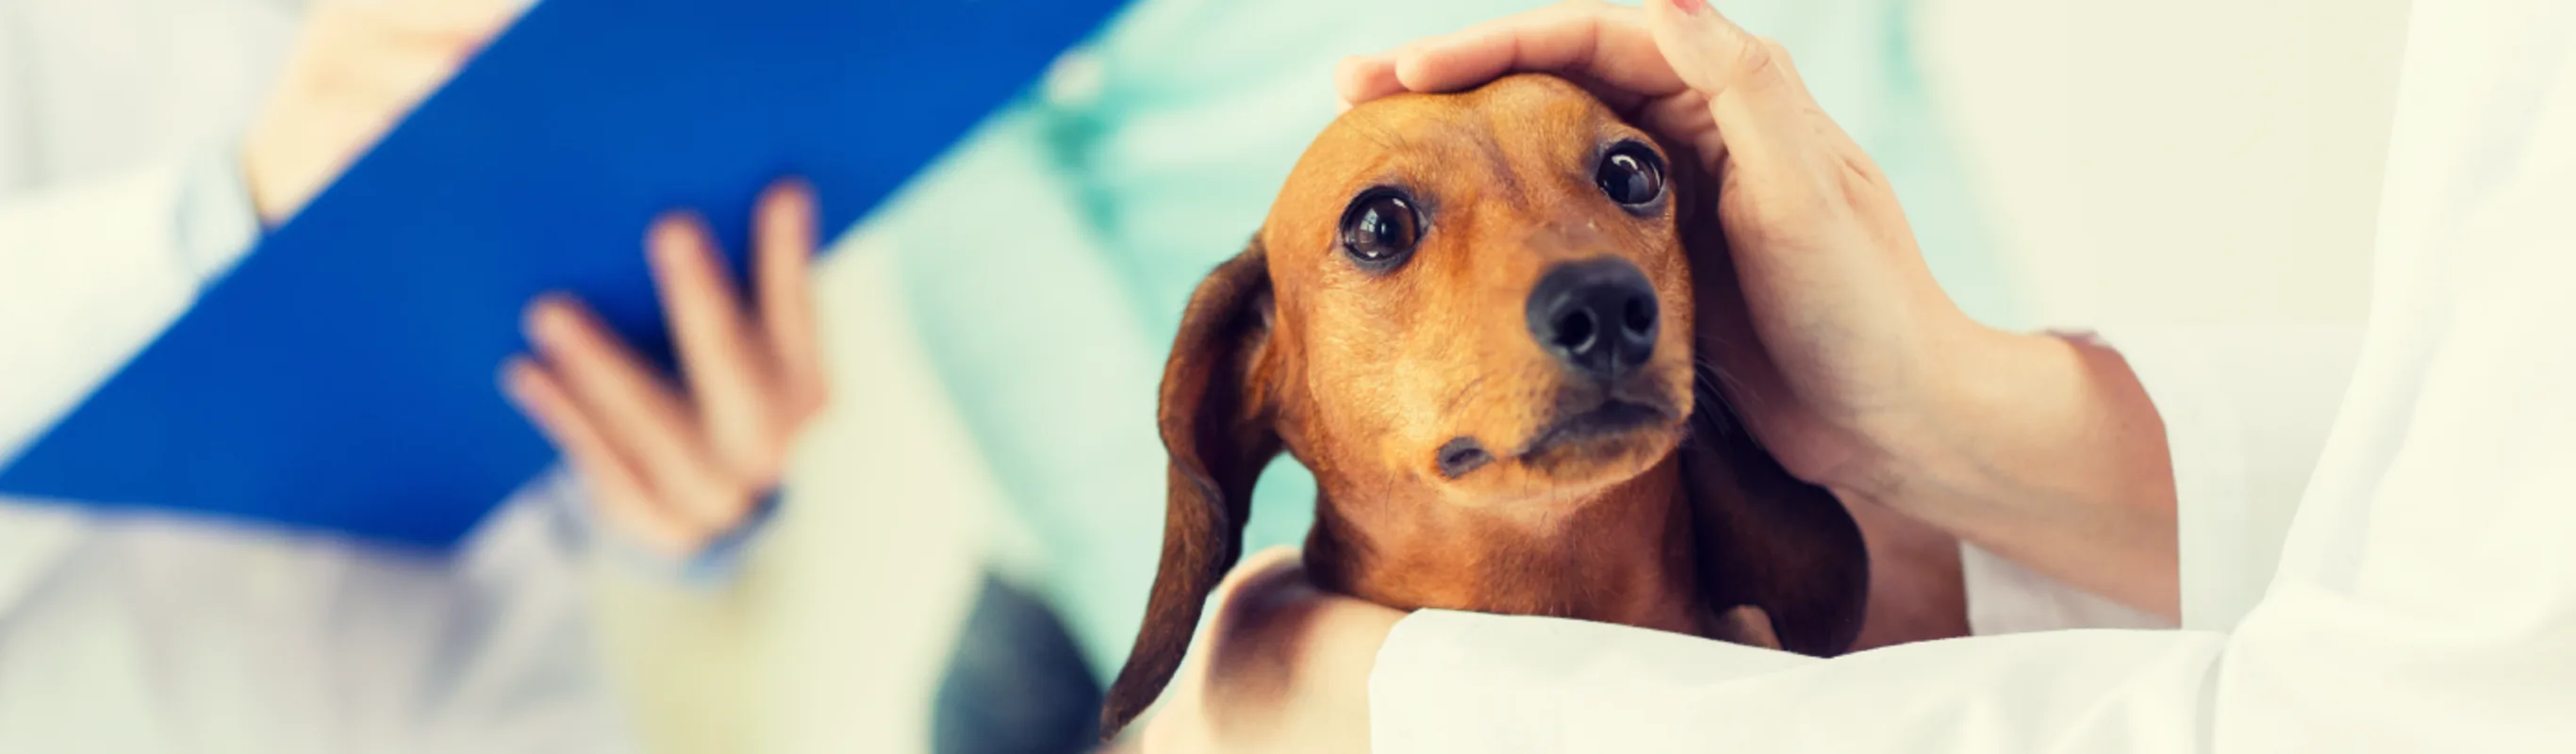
1471 316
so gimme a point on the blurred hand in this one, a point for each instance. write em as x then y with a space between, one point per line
357 69
674 468
1844 316
1280 666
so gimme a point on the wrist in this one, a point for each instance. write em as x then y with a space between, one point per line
2047 451
1966 376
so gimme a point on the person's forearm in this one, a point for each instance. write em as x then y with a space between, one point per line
2046 451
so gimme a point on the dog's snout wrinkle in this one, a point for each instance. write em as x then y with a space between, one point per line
1462 455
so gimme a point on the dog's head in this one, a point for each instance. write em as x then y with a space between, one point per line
1480 300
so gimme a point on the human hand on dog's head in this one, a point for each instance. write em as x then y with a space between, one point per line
1856 342
1279 665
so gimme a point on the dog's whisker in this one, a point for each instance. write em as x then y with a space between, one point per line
1748 396
1713 377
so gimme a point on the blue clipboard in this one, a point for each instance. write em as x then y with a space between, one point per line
342 378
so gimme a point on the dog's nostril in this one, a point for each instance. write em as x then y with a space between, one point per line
1640 316
1574 331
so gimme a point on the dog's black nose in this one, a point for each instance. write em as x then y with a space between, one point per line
1598 316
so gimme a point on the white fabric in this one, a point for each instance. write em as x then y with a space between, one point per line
2005 597
2248 408
2255 401
2424 597
118 200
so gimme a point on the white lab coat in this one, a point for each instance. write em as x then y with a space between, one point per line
119 200
2417 594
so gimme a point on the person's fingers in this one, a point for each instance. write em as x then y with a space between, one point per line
1761 111
1684 116
787 234
1788 65
1361 78
384 86
1797 86
428 20
633 406
621 494
1607 47
1489 48
434 32
728 370
1708 52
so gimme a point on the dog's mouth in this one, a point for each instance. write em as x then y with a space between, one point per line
1611 420
1587 427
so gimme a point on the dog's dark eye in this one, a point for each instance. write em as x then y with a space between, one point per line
1631 174
1380 228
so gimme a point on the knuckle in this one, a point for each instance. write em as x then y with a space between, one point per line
1795 203
1773 48
1860 173
1764 62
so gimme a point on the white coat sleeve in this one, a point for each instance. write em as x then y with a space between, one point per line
91 272
2246 411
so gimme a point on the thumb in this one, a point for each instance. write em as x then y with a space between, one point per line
1754 95
1712 54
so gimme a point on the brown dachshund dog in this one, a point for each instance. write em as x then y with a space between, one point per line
1470 315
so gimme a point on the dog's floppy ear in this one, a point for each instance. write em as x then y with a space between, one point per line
1770 540
1217 427
1766 538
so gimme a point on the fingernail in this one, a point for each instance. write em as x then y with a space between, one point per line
1690 7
